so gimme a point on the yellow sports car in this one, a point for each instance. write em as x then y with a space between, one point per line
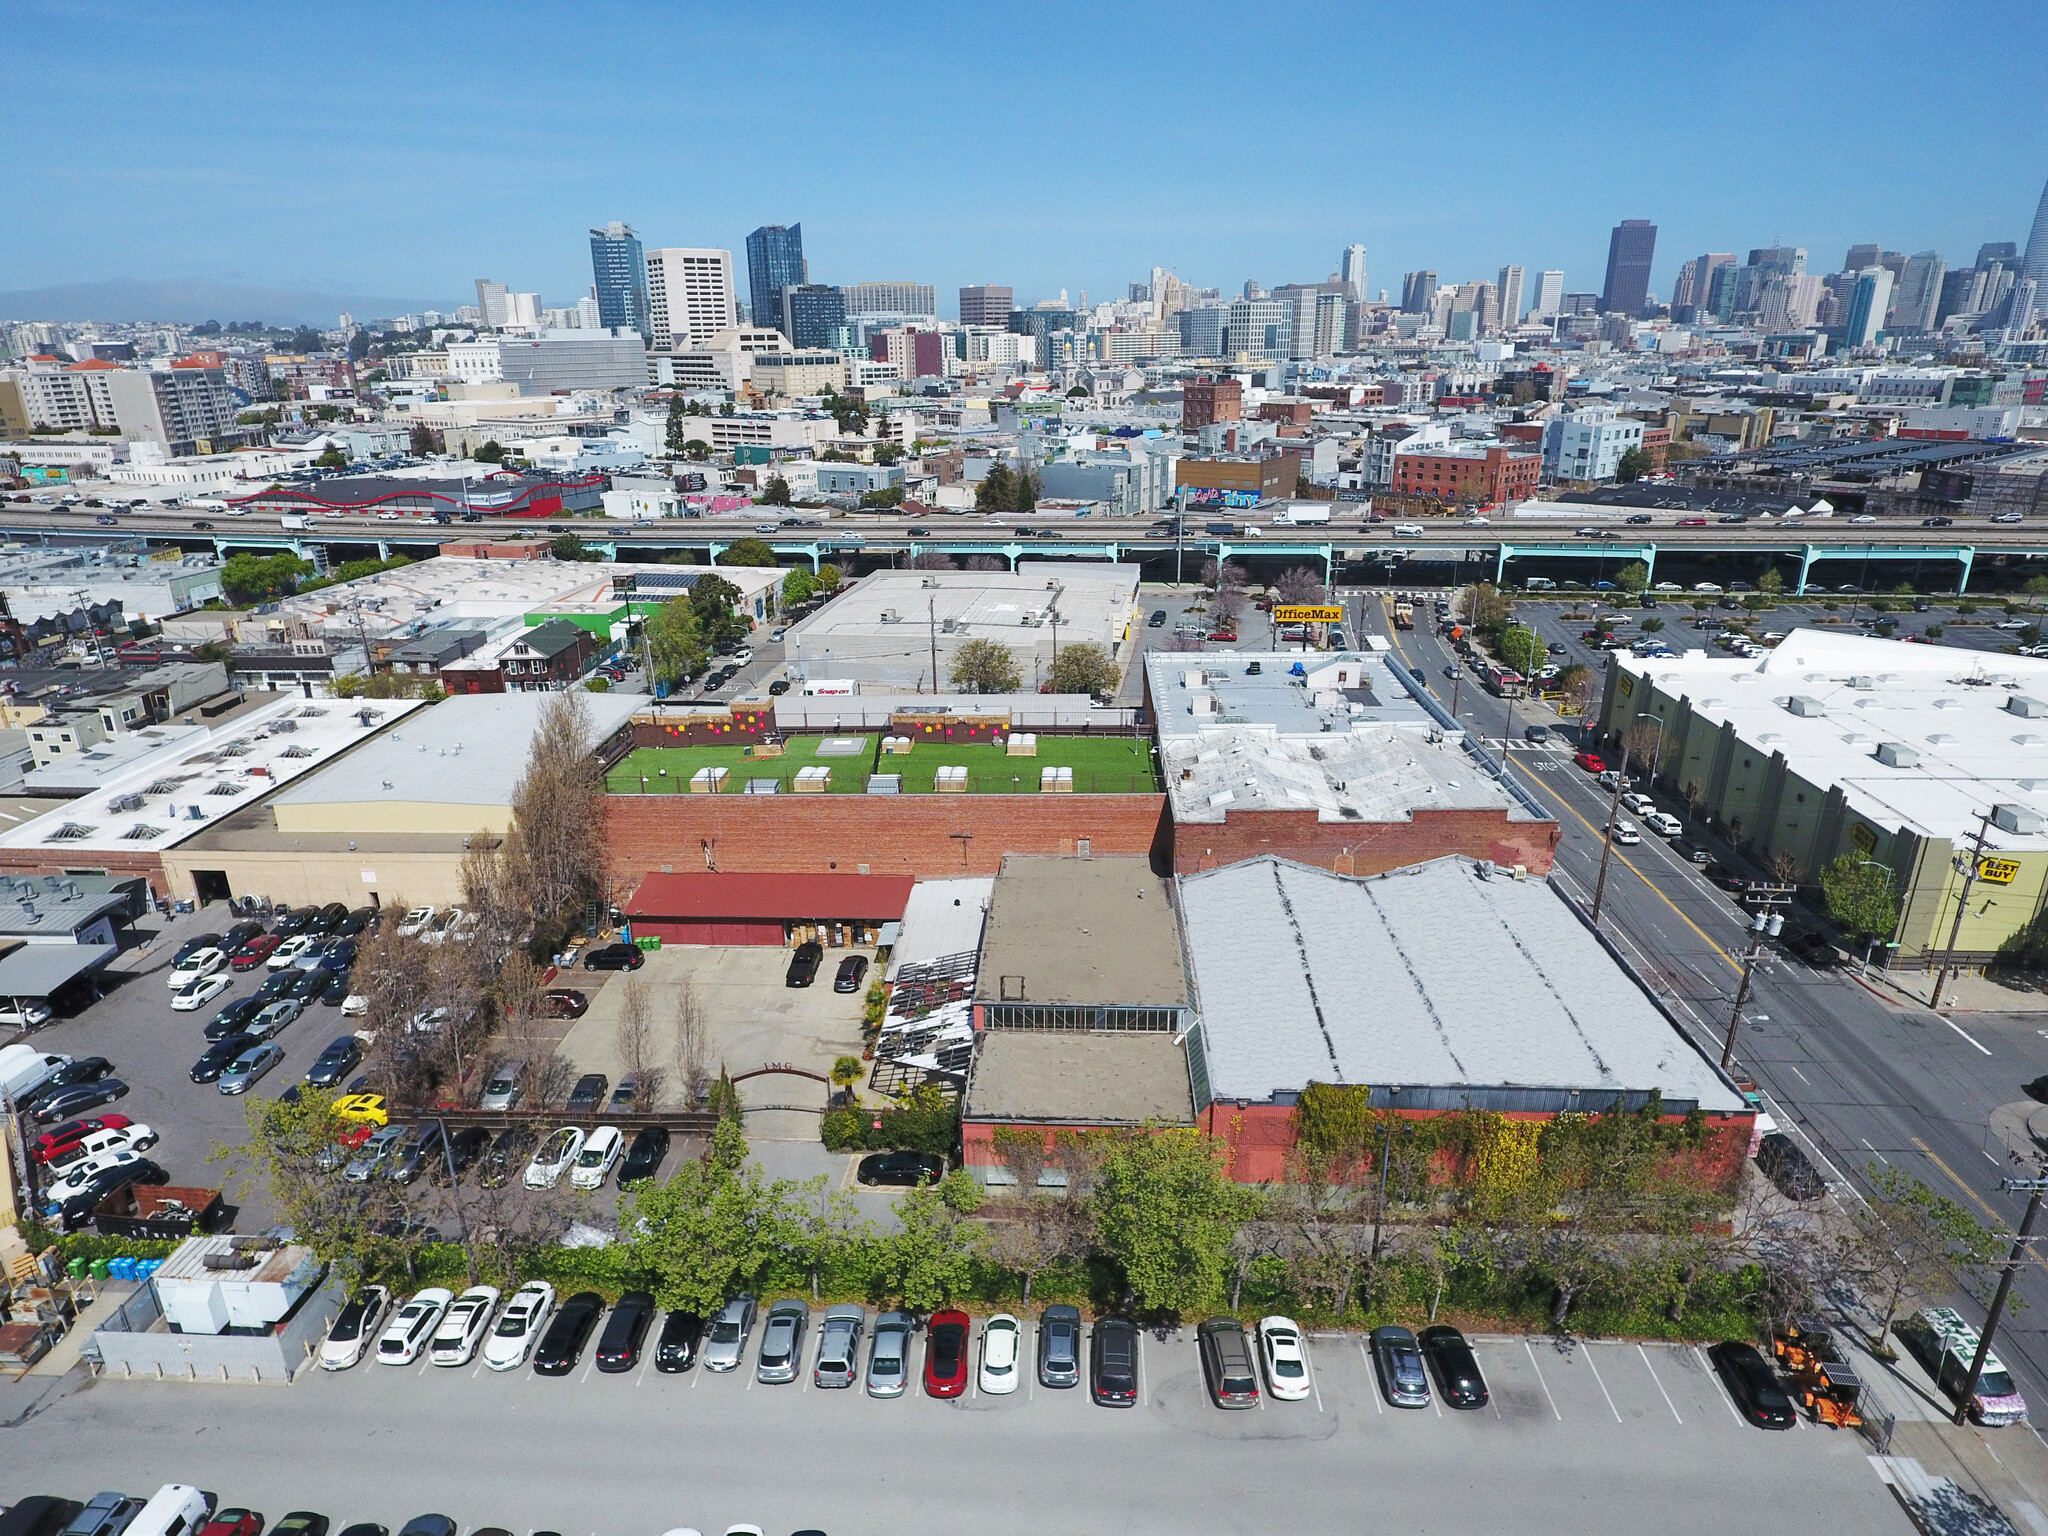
368 1107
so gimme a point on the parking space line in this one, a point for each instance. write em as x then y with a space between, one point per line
1721 1391
1541 1382
1660 1385
639 1378
1314 1385
1595 1369
1366 1356
695 1377
426 1366
587 1370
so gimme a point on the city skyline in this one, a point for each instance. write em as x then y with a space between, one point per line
357 201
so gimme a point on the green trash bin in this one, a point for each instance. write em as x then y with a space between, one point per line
99 1269
77 1267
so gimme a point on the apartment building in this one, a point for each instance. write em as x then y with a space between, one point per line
689 296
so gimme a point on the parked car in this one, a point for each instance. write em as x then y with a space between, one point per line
200 963
69 1103
193 945
75 1207
1592 762
889 1354
1753 1384
333 1065
625 1094
782 1342
945 1354
250 1068
804 963
1691 852
1059 1346
1286 1357
104 1514
838 1363
286 955
510 1148
562 1345
1002 1355
414 923
233 1521
503 1086
1113 1363
618 1347
643 1157
455 1341
271 1018
464 1148
1399 1363
727 1345
413 1325
588 1093
382 1142
39 1514
1663 823
564 1003
556 1154
53 1143
87 1150
366 1107
904 1168
1455 1366
601 1150
422 1150
524 1319
852 972
1227 1363
1788 1167
676 1347
81 1072
254 952
615 957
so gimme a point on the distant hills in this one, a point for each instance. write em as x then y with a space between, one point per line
188 302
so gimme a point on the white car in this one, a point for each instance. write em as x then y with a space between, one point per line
201 962
282 957
355 1005
594 1162
1000 1353
414 923
22 1015
352 1328
744 656
1625 832
554 1157
1706 586
200 991
1286 1360
464 1327
407 1333
1478 522
387 517
1638 804
2014 623
81 1173
521 1326
1663 823
1668 586
1864 517
121 1138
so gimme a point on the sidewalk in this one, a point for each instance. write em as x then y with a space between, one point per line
1967 993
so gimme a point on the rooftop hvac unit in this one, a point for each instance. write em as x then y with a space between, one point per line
1896 754
1028 621
1866 683
2026 708
891 616
2021 820
929 581
949 625
1805 706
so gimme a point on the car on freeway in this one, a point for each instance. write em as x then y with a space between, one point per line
569 1330
1227 1367
76 1206
70 1103
1663 823
1862 517
900 1168
201 962
1286 1358
1399 1363
521 1324
332 1066
554 1158
945 1354
250 1068
2008 517
1753 1384
782 1342
1937 522
1592 762
463 1326
594 1163
1059 1346
1637 519
54 1142
1002 1355
852 972
726 1346
564 1003
382 1143
588 1093
615 957
618 1347
365 1107
644 1156
675 1347
1113 1363
1455 1366
804 963
1625 832
251 953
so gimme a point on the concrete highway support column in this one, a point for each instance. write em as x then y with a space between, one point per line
1807 555
1966 556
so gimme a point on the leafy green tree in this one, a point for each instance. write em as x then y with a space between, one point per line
359 346
1859 897
931 1259
1632 577
1166 1210
985 666
1519 647
1024 488
696 450
1771 583
1084 667
1909 1241
675 641
798 586
776 492
1634 464
888 453
824 1223
257 578
424 440
827 578
492 452
568 547
333 458
710 1230
677 434
747 552
891 496
715 600
995 493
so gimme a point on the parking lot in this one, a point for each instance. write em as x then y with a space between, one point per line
1599 1437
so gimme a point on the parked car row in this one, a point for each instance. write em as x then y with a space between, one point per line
179 1509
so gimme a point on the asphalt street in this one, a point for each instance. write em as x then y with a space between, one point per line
1864 1083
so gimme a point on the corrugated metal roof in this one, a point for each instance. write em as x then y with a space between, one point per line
708 895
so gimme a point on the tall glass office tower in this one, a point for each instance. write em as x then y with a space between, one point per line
619 268
775 261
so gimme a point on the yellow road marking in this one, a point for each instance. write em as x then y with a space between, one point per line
1944 1167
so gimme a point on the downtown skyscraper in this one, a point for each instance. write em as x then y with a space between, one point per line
1630 249
618 270
775 261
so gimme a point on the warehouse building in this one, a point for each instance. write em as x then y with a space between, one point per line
1892 753
705 907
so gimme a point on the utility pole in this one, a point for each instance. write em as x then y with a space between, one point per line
455 1195
932 624
2035 1187
1607 841
1768 923
1969 873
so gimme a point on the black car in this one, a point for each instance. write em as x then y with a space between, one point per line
77 1208
852 972
1158 618
676 1348
464 1148
568 1331
73 1102
334 1064
338 956
338 988
509 1150
1113 1363
1455 1367
193 945
208 1068
294 923
1692 853
279 985
329 918
1789 1168
900 1168
1937 522
239 935
643 1157
803 965
1059 1347
39 1514
779 687
308 985
353 926
300 1522
1637 520
615 957
87 1069
618 1347
429 1525
588 1093
1753 1384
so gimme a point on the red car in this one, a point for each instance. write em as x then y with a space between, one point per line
1692 522
945 1355
1592 762
53 1143
253 953
233 1522
1224 634
564 1003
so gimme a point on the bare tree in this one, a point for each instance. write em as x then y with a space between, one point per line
692 1043
395 974
1225 606
1300 586
1183 642
932 560
638 1051
508 1224
555 855
1032 1239
984 563
498 919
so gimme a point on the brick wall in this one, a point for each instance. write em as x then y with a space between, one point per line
56 860
1364 847
919 835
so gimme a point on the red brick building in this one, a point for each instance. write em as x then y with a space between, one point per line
1473 475
1209 399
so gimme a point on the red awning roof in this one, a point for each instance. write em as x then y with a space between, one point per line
799 897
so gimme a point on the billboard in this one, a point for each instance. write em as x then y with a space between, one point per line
1308 613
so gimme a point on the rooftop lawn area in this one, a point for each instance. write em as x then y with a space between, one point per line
1102 765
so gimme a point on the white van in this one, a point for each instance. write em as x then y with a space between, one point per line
173 1510
1407 530
23 1069
1540 584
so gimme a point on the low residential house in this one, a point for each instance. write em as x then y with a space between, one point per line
549 657
428 653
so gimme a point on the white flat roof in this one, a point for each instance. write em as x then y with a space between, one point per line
450 587
1952 708
1368 773
1332 691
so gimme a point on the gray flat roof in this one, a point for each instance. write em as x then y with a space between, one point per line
1075 1077
58 911
1072 930
1433 976
37 970
1333 691
467 750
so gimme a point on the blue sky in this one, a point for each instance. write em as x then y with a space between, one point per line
403 150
